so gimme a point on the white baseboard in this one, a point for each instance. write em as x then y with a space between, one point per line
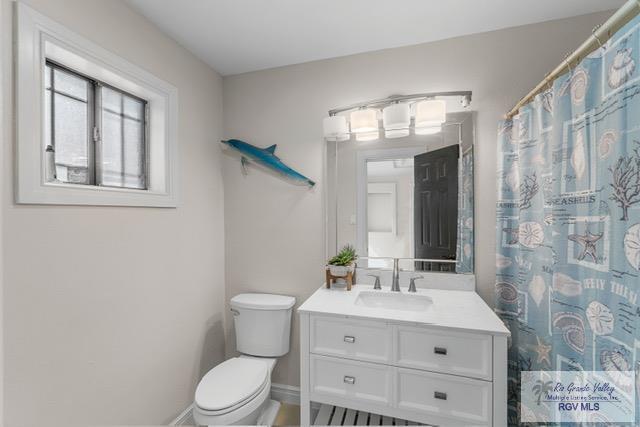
285 393
185 418
289 394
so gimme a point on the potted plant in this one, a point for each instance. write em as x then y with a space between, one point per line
343 262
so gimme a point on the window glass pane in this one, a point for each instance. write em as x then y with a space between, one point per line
70 84
111 159
122 161
111 100
71 137
47 107
47 77
69 117
47 118
133 154
133 108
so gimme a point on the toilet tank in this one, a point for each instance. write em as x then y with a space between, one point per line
262 323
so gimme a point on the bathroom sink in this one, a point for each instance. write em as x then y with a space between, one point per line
394 301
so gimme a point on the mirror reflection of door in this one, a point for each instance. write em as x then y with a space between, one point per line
436 207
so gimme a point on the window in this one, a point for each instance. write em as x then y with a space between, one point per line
94 133
92 128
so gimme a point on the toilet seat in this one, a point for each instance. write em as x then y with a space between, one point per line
247 403
231 385
245 412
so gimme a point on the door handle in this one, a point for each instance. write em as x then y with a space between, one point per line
440 395
440 350
349 379
350 339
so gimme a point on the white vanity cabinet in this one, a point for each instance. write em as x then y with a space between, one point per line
419 371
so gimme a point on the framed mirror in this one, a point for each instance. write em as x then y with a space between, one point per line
409 198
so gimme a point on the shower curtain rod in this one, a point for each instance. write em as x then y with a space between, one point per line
600 35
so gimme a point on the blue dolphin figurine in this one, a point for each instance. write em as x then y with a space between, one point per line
266 157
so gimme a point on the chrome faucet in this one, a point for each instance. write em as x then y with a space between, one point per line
412 283
376 285
395 283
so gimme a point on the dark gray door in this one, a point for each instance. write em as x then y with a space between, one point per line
436 207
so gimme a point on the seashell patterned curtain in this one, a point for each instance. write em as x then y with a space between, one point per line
568 222
464 245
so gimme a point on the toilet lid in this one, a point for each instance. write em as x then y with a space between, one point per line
256 301
230 383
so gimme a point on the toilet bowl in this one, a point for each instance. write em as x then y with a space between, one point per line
236 392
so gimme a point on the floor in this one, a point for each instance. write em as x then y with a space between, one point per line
288 415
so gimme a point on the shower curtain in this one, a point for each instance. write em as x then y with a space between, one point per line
464 244
568 222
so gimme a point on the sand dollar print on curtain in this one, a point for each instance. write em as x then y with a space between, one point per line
568 221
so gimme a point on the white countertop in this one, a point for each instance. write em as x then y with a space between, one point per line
462 310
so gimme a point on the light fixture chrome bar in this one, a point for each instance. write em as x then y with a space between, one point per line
399 98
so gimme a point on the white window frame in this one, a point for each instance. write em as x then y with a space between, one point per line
39 38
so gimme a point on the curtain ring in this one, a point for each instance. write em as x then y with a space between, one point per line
595 36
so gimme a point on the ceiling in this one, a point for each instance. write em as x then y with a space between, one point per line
237 36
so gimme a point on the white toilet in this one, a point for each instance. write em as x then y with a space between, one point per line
237 390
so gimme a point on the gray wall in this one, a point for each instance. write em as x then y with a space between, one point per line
275 232
112 314
5 135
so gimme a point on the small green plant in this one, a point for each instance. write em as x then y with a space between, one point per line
346 256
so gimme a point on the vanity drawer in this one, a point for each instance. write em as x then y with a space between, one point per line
351 338
459 353
366 382
462 400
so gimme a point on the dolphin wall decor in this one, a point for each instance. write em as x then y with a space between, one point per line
267 158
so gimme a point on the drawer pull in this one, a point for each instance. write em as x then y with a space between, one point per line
440 395
349 380
349 339
440 350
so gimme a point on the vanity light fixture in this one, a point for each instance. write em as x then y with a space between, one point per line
396 119
430 114
335 128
